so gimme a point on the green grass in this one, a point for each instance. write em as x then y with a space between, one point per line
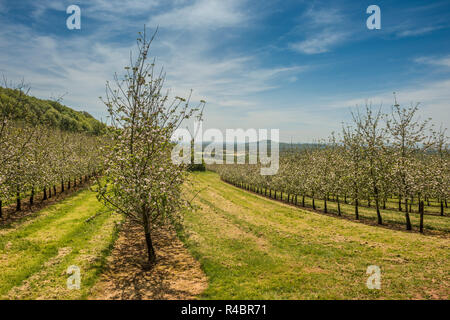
35 255
251 247
432 222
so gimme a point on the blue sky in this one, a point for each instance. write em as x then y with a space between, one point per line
299 66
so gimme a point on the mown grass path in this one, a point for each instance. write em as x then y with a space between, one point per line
251 247
433 222
35 255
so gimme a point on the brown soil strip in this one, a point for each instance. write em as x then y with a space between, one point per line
176 275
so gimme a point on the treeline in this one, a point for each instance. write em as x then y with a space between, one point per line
17 105
36 155
378 158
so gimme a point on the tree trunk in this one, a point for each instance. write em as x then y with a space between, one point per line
314 204
303 201
410 204
339 205
442 208
49 192
148 241
62 186
45 194
421 210
325 209
1 209
399 203
18 202
54 190
356 209
377 205
32 196
408 220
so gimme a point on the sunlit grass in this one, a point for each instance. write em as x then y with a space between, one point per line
35 256
431 221
251 247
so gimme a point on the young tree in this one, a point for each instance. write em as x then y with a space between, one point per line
352 142
408 137
141 182
372 139
440 173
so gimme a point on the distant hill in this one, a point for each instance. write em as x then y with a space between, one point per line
34 111
283 146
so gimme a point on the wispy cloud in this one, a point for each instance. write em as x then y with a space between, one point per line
417 31
436 61
321 42
81 67
202 14
433 98
220 49
322 31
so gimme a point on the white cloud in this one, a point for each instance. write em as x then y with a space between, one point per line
323 29
323 16
81 65
320 43
417 31
437 61
434 99
53 66
229 81
202 14
195 55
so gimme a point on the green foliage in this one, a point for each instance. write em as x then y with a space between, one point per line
197 167
21 107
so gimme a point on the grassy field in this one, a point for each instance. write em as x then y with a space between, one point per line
391 216
251 247
35 253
